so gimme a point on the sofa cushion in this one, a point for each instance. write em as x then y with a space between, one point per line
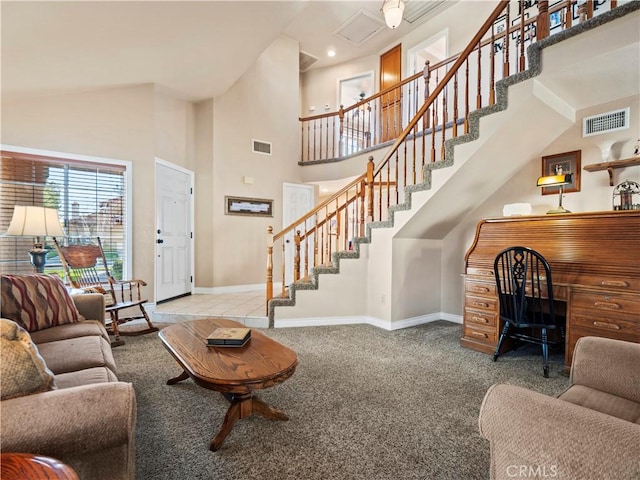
603 402
37 301
22 370
70 330
79 353
85 377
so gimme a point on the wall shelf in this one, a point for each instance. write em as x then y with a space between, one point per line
612 165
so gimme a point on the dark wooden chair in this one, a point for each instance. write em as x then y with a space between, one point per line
527 307
86 268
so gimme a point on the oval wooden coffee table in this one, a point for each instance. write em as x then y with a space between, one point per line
28 466
233 371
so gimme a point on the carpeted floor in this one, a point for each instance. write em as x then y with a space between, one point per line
364 403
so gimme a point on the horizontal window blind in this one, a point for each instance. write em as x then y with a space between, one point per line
90 198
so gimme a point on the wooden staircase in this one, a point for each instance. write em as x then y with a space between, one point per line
435 190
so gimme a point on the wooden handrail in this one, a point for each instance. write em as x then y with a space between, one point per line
473 44
334 223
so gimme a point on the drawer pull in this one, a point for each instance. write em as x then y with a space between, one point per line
480 289
479 320
610 326
608 305
480 304
614 283
480 334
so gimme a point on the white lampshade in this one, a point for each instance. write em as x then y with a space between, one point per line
35 222
392 10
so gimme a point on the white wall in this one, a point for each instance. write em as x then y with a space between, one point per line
211 138
262 105
203 194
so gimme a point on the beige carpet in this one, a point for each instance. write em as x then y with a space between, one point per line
364 403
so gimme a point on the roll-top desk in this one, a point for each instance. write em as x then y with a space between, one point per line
595 268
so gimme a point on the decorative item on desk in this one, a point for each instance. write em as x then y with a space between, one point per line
32 221
516 209
626 196
229 337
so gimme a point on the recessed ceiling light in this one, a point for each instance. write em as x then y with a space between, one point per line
331 53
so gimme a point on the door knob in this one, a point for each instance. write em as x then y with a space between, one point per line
160 240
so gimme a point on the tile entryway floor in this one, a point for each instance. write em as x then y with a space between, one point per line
248 308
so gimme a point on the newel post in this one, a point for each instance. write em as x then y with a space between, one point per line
426 74
370 167
542 29
269 265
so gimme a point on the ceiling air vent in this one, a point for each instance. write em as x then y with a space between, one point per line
360 27
306 60
261 147
415 10
605 122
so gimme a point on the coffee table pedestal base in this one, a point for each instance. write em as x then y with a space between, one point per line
243 406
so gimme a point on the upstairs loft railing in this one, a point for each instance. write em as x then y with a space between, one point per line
468 80
381 118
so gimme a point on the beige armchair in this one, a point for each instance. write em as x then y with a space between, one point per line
592 430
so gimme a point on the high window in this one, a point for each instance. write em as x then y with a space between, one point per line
90 197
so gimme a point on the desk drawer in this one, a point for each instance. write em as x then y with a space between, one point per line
480 288
478 317
608 305
481 303
606 326
480 333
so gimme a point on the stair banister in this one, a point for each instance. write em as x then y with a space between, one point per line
362 193
473 44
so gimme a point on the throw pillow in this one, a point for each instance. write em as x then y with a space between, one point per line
22 369
37 301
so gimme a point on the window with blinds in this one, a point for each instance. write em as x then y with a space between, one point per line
90 198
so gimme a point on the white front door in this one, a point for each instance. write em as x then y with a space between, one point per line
174 233
297 200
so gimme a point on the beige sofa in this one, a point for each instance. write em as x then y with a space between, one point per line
592 430
88 419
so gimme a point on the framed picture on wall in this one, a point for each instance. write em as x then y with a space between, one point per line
558 164
252 207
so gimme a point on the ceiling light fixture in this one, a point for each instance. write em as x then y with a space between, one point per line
392 11
331 53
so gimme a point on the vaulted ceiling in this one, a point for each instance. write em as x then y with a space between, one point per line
192 49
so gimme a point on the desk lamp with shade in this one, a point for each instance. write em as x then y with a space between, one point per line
29 221
558 180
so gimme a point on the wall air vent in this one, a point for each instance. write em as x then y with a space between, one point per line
261 147
306 60
605 122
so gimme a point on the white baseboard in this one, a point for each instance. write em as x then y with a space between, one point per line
376 322
256 287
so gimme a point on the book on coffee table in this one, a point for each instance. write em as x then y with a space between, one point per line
229 337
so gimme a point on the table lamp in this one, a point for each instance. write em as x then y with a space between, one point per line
556 181
35 222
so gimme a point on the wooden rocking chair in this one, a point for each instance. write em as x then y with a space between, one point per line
86 268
